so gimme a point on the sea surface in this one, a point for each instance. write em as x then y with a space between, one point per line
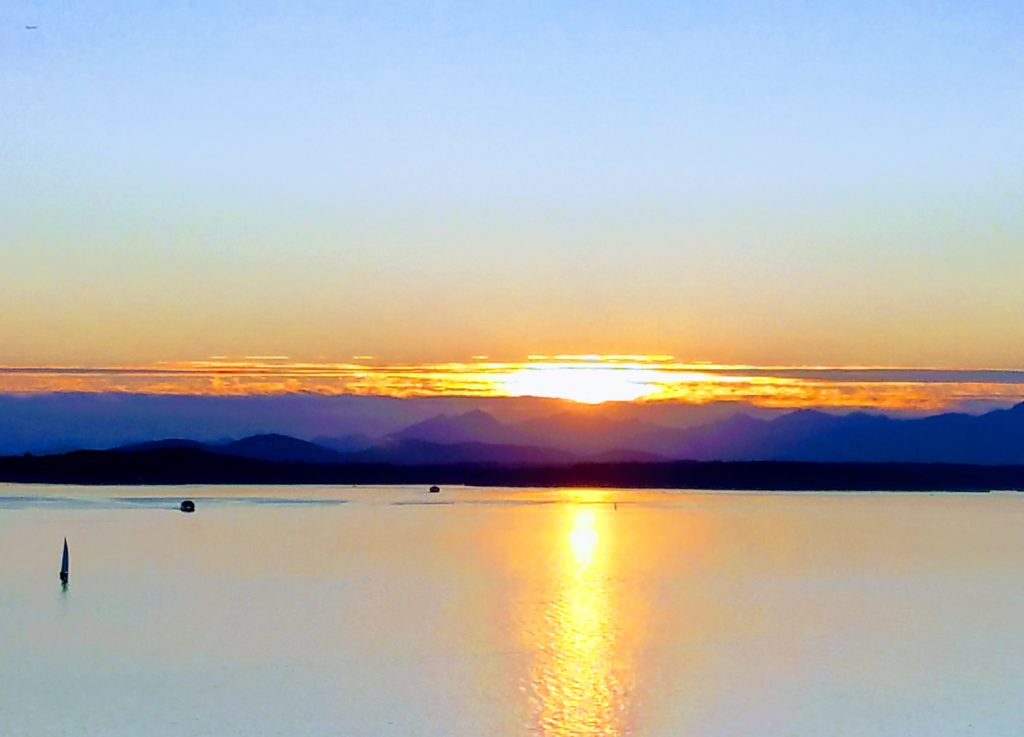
391 612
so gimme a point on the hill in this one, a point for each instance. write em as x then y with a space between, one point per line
181 465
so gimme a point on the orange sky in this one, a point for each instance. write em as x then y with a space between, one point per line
832 184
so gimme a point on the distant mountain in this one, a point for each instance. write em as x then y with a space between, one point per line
395 451
805 435
476 426
280 448
268 447
741 437
582 431
995 438
62 421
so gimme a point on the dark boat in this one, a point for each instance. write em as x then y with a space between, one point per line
64 564
435 489
188 506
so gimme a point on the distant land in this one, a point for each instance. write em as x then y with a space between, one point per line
193 465
375 430
994 438
803 450
57 422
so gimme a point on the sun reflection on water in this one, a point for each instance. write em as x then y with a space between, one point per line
576 677
583 537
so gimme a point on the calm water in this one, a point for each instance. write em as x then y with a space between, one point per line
484 613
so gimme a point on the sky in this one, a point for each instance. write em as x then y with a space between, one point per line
761 184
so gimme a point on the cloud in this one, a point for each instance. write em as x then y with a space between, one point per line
643 378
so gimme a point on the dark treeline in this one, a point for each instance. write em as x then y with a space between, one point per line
189 466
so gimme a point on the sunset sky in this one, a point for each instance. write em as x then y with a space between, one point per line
772 184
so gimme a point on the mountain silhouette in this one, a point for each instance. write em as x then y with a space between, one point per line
581 432
266 447
994 438
275 447
475 426
394 451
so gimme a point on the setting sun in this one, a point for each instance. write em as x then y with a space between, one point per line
589 383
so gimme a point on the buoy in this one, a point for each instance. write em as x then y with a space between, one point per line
188 506
435 489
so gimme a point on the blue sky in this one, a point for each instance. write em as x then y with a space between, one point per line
741 182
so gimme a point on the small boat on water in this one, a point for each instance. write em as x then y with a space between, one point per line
64 564
435 489
187 506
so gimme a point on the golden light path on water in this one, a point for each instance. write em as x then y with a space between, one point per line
577 677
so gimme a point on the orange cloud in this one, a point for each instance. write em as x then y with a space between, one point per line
589 378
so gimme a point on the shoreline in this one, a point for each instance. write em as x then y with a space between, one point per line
178 466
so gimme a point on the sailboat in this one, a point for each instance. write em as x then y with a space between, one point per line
64 564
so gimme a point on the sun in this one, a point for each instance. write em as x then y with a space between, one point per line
586 383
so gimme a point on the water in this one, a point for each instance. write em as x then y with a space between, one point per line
484 613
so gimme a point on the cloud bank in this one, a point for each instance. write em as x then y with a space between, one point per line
591 379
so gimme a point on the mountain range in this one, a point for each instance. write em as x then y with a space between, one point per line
57 422
568 437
